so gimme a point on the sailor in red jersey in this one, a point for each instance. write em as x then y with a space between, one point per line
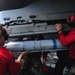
7 60
69 39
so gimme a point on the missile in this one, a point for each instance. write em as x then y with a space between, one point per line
35 45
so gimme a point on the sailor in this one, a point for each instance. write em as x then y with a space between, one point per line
68 40
7 60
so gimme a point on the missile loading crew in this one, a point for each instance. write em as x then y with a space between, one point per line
69 39
7 60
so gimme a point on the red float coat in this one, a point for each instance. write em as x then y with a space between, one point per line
69 40
7 62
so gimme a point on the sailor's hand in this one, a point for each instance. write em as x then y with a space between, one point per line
25 52
18 60
58 26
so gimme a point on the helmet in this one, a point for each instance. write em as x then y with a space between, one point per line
3 32
71 18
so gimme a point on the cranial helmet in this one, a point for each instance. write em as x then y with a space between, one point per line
4 33
71 18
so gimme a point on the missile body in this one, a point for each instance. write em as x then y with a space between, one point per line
35 45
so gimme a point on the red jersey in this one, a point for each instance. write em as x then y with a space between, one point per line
68 40
7 62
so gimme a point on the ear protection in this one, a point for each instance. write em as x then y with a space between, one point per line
71 18
3 32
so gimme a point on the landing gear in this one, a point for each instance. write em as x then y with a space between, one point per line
60 68
63 64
